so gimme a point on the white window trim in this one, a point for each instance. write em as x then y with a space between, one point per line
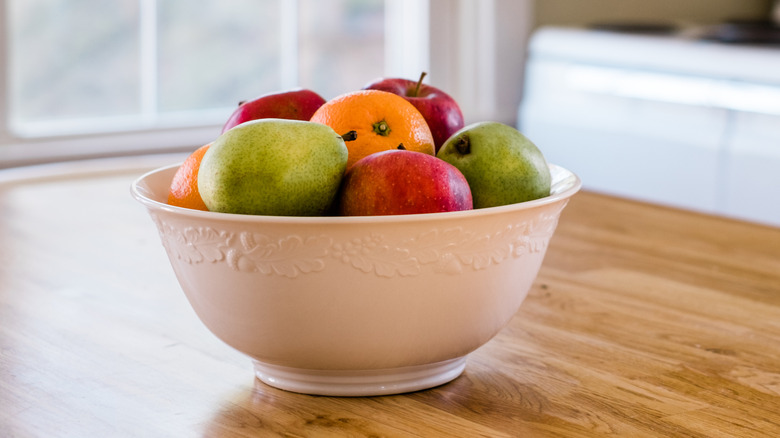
478 51
4 85
460 43
407 47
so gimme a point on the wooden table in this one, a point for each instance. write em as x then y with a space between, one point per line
644 322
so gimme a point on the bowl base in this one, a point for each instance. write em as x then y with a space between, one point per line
360 383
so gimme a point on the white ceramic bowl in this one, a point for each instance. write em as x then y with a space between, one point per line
356 305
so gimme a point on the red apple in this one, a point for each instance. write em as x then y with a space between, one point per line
402 182
296 104
439 109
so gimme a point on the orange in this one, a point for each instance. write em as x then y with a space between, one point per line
184 186
382 121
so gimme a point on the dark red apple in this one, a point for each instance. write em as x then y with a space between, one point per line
439 109
296 104
402 182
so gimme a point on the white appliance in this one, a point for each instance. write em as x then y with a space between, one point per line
669 118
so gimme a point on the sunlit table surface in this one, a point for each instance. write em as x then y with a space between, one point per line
645 321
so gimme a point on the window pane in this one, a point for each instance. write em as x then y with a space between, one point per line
72 58
341 44
216 53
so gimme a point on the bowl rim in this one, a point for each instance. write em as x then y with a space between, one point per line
564 185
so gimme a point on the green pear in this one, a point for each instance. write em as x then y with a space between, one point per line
273 167
501 165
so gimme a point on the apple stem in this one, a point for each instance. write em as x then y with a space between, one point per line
401 147
350 136
463 145
419 83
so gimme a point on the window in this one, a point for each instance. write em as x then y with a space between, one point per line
92 65
90 78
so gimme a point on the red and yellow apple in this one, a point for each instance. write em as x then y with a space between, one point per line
402 182
296 104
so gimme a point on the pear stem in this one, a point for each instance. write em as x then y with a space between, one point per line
416 91
350 136
463 145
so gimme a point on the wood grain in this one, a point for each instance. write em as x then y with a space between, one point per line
645 321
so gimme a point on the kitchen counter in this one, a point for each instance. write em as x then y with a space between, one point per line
705 115
645 321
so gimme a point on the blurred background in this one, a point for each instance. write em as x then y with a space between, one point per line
676 102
